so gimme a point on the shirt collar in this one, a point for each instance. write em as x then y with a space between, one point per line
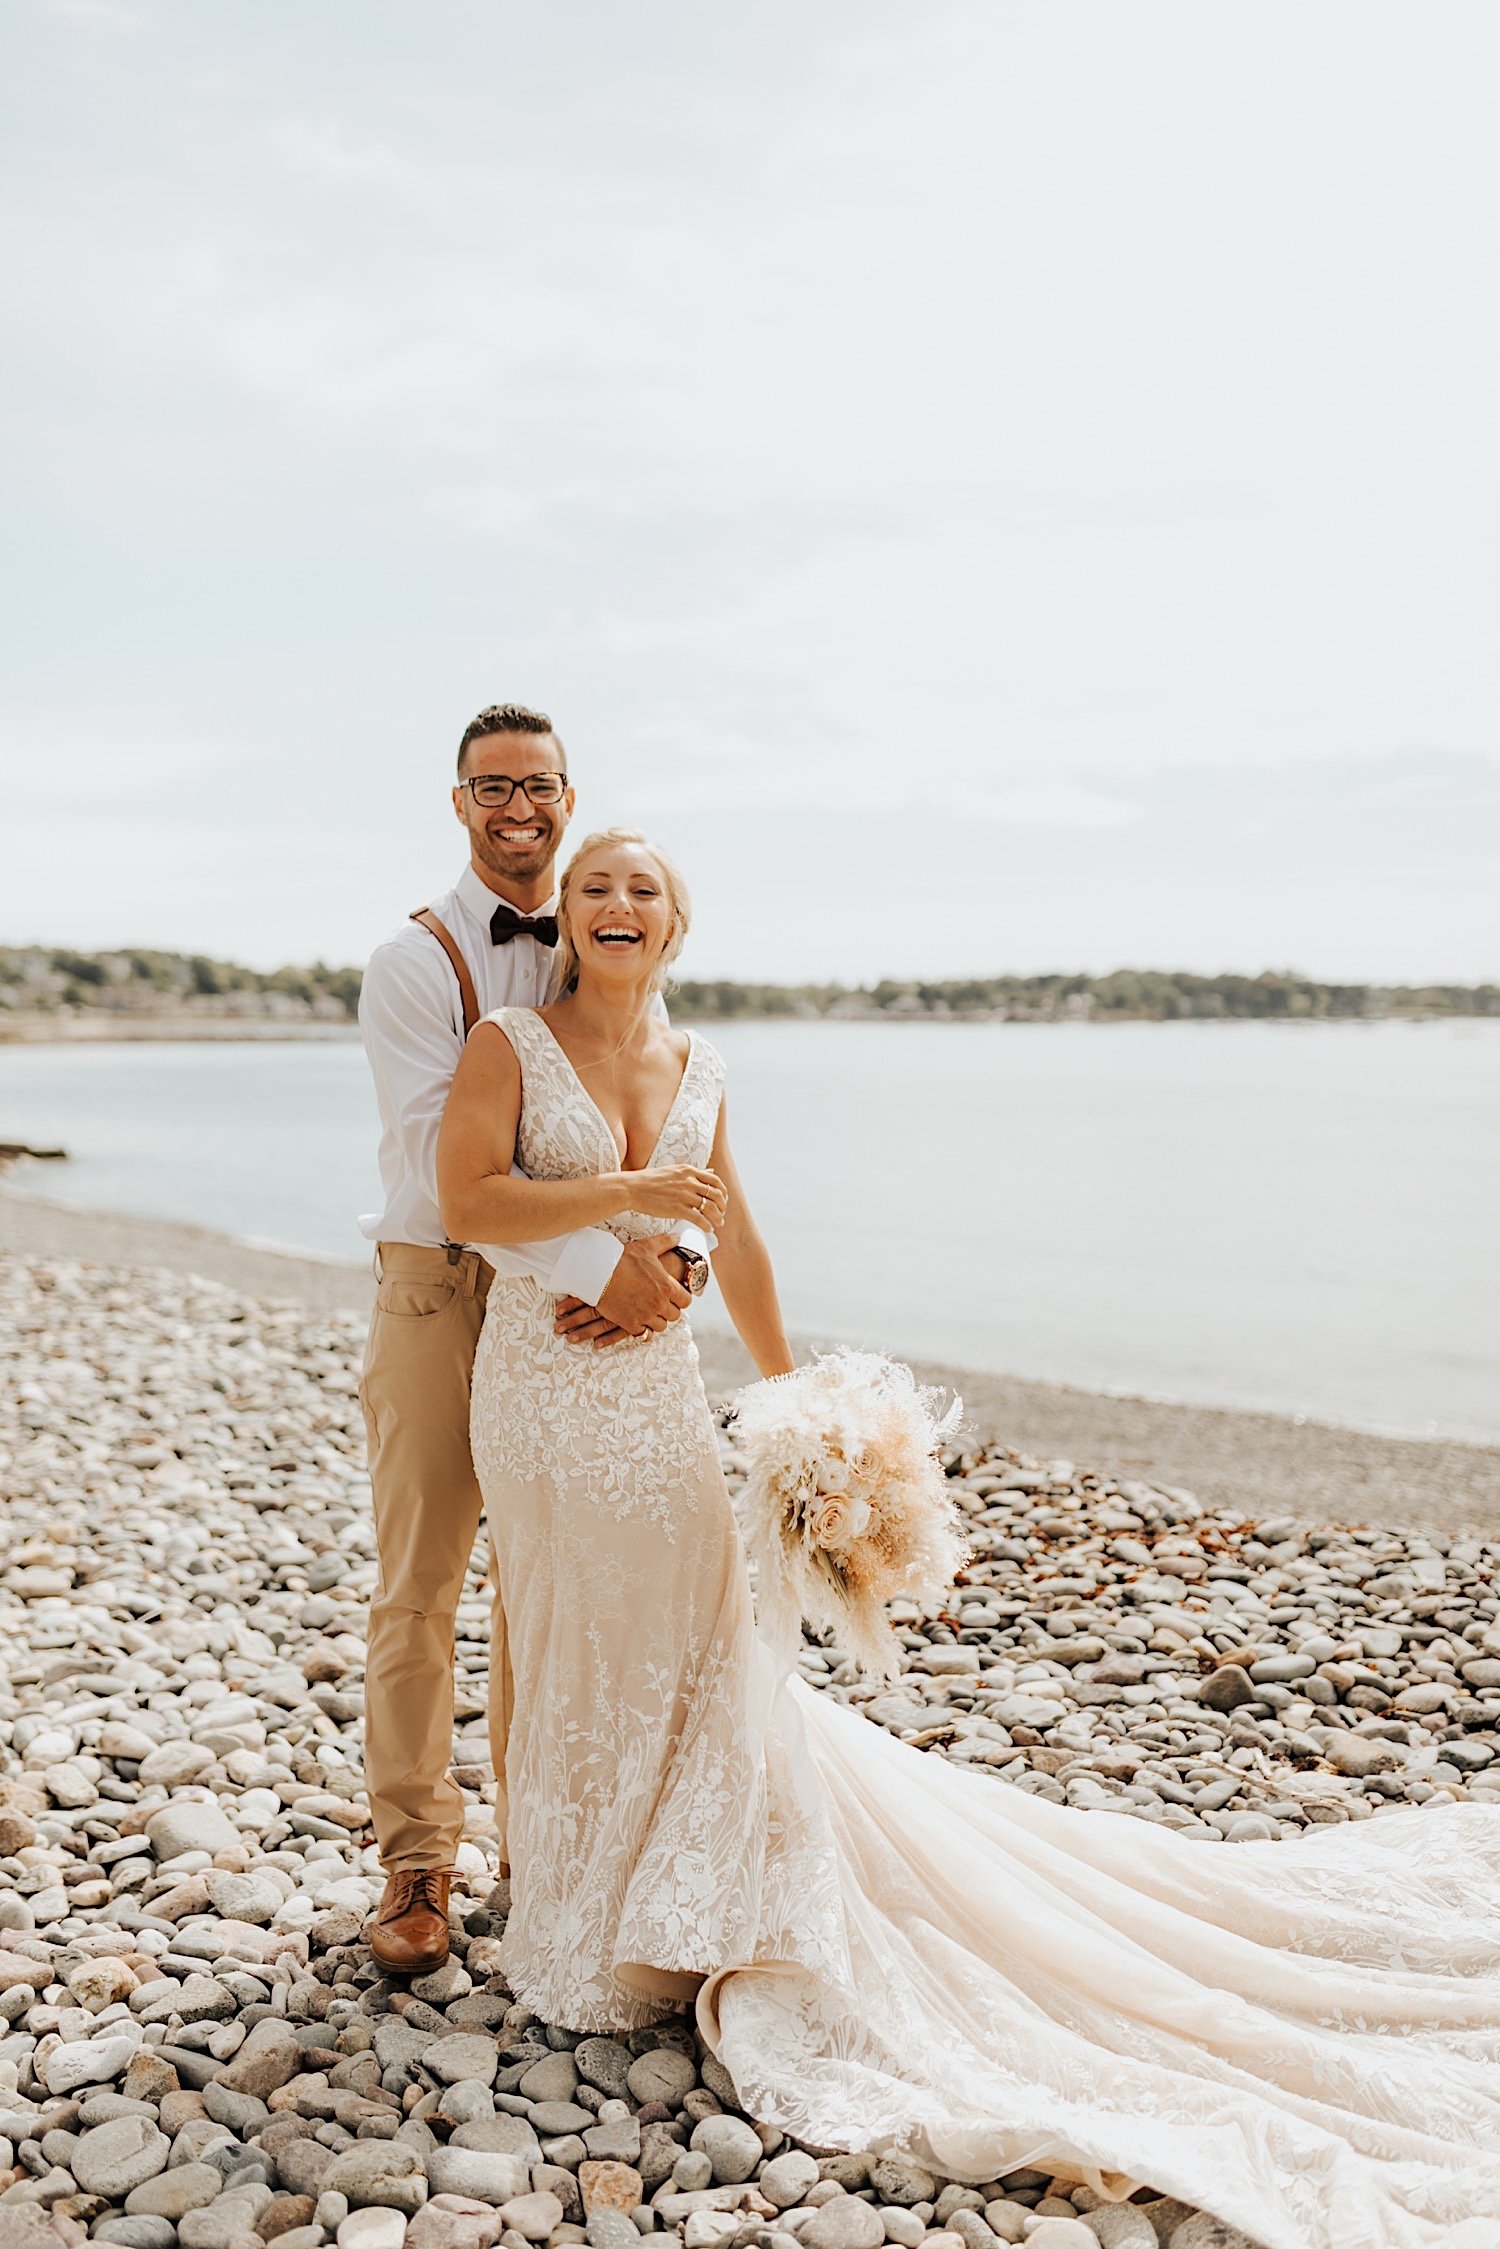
478 899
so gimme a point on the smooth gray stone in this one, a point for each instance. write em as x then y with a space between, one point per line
732 2147
195 2068
478 2172
662 2074
241 2112
99 2108
553 2078
114 2157
786 2178
844 2223
468 2056
172 2193
552 2120
499 2135
611 2229
615 2142
136 2233
397 2046
1120 2225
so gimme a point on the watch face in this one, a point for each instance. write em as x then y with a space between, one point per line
695 1278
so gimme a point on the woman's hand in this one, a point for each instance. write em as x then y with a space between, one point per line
677 1191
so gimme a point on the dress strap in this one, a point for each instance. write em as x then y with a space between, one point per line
710 1065
527 1034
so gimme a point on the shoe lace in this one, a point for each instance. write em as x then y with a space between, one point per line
424 1885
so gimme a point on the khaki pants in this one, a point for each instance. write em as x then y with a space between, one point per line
419 1364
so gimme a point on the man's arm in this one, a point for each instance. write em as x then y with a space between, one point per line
582 1318
413 1042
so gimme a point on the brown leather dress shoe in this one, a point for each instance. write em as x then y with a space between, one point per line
410 1935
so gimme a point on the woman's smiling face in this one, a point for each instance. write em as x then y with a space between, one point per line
619 914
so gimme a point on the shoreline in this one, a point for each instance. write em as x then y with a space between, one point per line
102 1028
1261 1463
167 1030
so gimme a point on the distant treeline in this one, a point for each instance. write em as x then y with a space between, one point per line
1149 993
136 981
139 982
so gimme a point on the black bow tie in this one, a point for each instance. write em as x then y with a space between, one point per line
506 923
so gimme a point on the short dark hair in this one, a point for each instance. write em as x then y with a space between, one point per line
509 718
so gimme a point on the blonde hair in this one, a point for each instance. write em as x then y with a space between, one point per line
566 976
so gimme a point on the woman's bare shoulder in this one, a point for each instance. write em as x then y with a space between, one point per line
491 1049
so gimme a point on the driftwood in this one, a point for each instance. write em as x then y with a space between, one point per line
12 1151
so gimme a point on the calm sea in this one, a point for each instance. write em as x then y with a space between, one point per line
1299 1217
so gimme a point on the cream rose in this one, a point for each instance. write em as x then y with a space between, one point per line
834 1519
828 1520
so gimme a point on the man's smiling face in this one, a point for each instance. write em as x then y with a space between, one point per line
514 843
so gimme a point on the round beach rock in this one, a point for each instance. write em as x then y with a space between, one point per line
500 2135
479 2173
172 2193
843 2223
533 2216
786 2179
553 2078
611 2229
732 2147
1119 2225
605 2064
895 2179
465 2057
177 1828
372 2229
91 2061
378 2171
115 2157
663 2075
555 2120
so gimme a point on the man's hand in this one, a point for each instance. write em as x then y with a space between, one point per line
643 1297
578 1322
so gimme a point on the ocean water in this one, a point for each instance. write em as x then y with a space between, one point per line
1302 1217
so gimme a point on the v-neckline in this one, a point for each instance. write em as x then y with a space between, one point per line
608 1128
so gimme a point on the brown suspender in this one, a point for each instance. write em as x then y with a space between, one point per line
449 943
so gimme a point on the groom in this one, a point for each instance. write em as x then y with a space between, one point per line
489 942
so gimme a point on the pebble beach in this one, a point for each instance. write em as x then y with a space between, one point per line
195 2046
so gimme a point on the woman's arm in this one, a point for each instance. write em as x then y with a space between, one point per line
481 1199
742 1268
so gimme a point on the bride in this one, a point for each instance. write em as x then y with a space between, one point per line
884 1950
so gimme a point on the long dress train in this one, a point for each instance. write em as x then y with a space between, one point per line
888 1951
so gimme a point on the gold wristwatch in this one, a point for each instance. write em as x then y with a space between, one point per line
694 1270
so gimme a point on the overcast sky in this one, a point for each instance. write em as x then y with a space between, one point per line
996 486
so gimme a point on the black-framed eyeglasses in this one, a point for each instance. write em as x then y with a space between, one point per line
495 790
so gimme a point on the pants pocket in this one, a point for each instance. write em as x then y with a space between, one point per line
403 1299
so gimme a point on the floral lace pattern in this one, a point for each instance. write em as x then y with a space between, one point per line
629 1425
1303 2037
647 1826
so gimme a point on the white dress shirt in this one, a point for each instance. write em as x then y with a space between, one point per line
411 1020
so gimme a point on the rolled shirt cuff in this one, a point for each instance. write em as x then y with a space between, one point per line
587 1265
693 1237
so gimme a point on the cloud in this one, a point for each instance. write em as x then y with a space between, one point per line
898 420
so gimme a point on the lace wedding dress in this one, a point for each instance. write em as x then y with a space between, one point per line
886 1950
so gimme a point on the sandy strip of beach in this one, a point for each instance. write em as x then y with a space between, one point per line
1265 1464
